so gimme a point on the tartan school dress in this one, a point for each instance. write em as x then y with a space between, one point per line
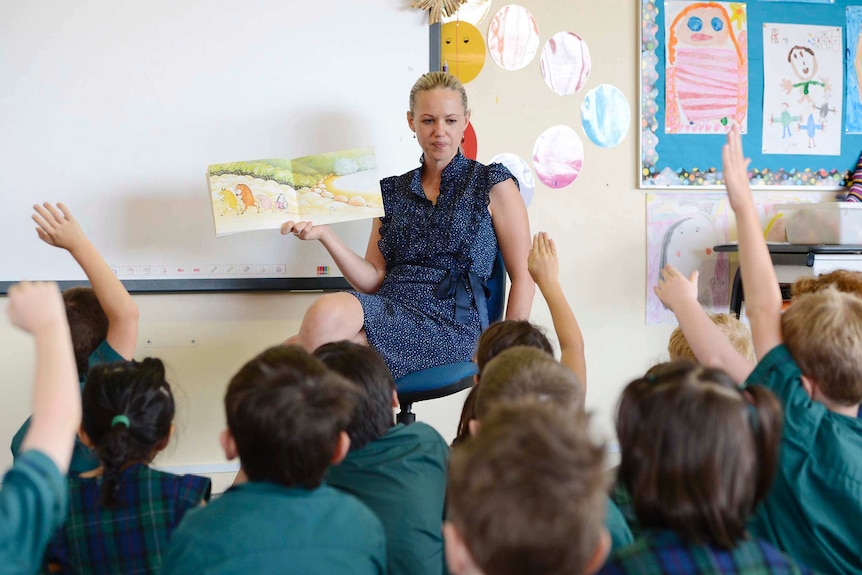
131 538
663 552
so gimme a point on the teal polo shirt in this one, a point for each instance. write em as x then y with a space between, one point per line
262 527
401 476
32 506
616 524
814 510
83 458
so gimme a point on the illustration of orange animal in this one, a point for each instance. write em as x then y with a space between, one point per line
245 198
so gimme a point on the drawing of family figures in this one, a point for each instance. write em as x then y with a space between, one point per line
808 114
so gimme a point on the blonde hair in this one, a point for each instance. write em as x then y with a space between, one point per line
435 81
823 332
733 329
843 280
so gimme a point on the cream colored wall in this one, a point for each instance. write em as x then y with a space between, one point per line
598 223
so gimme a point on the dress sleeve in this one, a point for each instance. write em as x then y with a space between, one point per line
499 173
32 506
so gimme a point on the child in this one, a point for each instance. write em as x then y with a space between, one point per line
697 455
122 514
811 357
398 471
103 320
286 416
33 498
736 332
526 495
528 373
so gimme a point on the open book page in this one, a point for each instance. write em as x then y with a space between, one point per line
325 189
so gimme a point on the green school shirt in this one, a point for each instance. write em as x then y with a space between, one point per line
83 458
401 476
814 509
616 523
262 527
32 506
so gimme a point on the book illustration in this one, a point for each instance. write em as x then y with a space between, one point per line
325 188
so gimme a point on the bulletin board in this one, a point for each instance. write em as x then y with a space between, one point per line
674 155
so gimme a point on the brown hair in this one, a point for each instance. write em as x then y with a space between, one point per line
286 410
734 330
823 332
526 372
87 322
843 280
698 453
435 81
527 494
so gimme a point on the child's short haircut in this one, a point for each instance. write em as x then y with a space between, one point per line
128 412
504 334
734 330
286 410
364 367
823 332
87 322
526 372
527 494
843 280
698 453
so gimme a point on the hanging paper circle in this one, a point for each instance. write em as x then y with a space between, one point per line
472 11
513 37
470 147
521 170
565 63
462 50
605 115
558 156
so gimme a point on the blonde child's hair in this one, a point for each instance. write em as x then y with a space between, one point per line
823 332
734 330
434 81
843 280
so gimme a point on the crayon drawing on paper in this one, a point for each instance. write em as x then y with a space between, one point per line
853 65
706 67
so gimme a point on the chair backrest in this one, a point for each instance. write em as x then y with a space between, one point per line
497 289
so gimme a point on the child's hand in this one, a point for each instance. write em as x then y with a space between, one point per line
735 170
303 230
57 227
673 288
542 262
36 306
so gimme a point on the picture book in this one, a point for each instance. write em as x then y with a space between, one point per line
325 188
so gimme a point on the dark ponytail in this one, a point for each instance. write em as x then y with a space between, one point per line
128 409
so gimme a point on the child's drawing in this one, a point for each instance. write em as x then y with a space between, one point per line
802 89
682 230
853 64
324 189
707 67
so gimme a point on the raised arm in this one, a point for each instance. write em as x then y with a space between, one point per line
762 294
512 227
38 309
544 266
364 274
707 341
57 227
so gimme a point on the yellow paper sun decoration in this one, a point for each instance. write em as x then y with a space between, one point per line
438 8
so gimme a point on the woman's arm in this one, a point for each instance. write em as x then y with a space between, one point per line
512 226
364 274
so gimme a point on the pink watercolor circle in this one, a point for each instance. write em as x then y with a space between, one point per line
513 37
558 156
565 63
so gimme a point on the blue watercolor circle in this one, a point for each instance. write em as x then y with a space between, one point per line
606 116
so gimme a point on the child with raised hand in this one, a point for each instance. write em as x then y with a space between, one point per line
122 514
811 358
286 419
33 497
103 319
697 456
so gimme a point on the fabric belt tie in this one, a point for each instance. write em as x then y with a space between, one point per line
455 285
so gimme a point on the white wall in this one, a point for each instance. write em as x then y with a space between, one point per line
598 223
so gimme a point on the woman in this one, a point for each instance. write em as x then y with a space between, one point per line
419 298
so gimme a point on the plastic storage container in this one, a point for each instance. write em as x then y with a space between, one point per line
823 223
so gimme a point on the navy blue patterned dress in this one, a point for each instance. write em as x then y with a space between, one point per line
437 257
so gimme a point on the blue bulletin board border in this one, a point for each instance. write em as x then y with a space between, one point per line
685 161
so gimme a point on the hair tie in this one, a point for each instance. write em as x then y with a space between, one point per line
650 378
121 419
